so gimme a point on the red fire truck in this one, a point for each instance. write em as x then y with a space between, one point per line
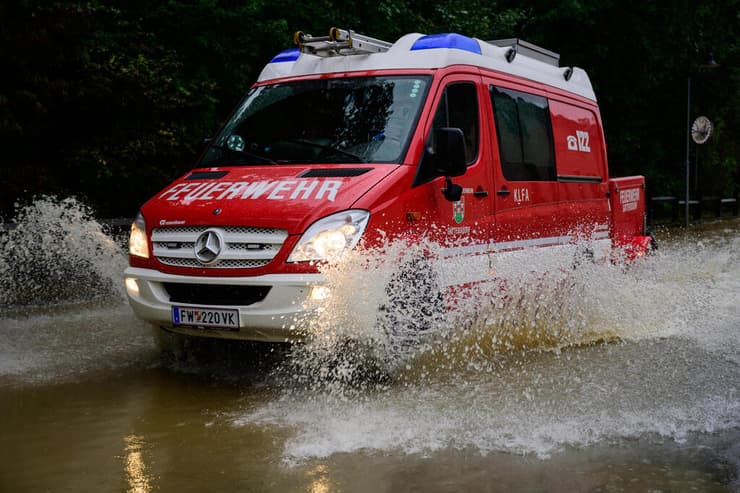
349 142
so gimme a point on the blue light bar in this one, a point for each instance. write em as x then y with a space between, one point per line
289 55
447 40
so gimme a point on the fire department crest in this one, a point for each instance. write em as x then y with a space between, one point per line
458 211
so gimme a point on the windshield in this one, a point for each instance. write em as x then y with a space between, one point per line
347 120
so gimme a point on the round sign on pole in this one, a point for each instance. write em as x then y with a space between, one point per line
701 130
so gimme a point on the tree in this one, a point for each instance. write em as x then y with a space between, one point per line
109 100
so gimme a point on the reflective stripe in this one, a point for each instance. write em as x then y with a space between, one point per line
535 242
465 250
500 246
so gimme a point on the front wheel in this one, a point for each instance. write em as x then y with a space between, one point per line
174 348
413 308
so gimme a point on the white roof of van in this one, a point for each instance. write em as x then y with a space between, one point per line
413 51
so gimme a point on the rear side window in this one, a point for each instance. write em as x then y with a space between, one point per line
524 134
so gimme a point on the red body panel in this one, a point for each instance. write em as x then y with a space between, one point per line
580 153
265 196
495 209
627 196
553 209
534 174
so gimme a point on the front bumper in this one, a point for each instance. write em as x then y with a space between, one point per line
276 318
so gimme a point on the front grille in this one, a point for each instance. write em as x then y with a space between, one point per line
244 247
229 229
215 294
224 264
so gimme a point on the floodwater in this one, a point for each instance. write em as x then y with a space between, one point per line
599 378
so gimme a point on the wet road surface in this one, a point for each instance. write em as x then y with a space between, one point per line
628 383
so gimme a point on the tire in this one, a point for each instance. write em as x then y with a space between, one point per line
414 308
174 348
184 350
229 358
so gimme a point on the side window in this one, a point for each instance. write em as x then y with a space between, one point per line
458 108
524 134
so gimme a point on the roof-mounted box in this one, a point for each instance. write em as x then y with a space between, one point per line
530 50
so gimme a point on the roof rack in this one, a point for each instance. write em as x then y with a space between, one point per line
530 50
339 42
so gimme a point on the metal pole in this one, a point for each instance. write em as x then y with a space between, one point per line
688 136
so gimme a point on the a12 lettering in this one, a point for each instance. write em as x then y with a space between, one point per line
578 142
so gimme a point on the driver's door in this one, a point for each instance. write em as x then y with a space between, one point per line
464 225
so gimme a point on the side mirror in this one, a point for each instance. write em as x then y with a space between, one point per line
450 152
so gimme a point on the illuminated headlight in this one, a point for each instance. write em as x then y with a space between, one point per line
329 237
132 286
138 245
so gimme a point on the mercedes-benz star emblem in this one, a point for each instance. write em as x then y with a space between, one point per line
208 247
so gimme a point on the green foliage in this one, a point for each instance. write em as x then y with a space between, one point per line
639 56
111 98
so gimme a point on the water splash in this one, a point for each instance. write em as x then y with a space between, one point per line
360 333
62 309
63 342
575 357
389 314
56 252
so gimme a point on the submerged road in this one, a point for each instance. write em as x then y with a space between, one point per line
616 380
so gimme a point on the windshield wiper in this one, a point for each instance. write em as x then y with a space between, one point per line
326 147
244 154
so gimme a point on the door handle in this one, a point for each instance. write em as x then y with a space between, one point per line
503 192
480 193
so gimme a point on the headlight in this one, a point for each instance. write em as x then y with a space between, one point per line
138 245
329 237
132 286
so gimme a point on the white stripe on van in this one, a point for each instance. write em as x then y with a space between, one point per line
501 246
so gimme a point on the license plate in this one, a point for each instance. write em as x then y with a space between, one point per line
206 317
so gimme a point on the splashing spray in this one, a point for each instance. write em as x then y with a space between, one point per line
57 253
